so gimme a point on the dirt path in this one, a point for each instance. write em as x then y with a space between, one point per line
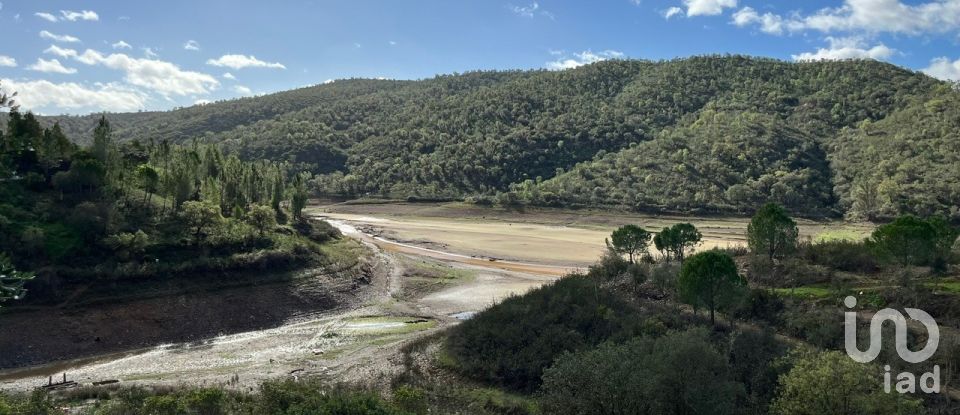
342 345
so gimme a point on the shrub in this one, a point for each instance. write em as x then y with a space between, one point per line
678 373
758 304
832 383
841 255
511 343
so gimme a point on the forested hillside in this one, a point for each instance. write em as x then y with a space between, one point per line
702 134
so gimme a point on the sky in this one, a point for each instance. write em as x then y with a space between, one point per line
83 56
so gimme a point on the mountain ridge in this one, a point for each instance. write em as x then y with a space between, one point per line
515 136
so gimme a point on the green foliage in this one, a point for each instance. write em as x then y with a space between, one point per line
199 216
673 242
843 255
304 398
262 218
772 232
709 279
129 245
11 280
680 373
832 383
909 240
899 164
710 133
629 239
511 343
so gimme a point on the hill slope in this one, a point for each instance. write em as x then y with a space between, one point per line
718 134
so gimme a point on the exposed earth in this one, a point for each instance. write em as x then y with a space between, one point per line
427 266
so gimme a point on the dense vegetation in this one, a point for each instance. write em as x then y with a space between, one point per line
274 397
128 211
702 134
608 342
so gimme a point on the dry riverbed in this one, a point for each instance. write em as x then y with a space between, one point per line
433 264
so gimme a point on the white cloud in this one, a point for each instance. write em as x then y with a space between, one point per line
46 16
243 61
40 94
242 90
673 11
61 52
81 15
202 102
162 77
329 81
943 68
149 53
392 43
51 66
529 11
707 7
768 22
191 45
121 45
583 58
870 16
228 75
847 48
58 38
7 61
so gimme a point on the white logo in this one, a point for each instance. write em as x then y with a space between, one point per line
906 381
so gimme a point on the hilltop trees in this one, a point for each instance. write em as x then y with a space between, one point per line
772 232
707 279
630 240
702 134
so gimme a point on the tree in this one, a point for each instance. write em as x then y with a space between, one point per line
674 241
129 245
679 373
299 199
909 240
149 180
771 231
102 140
11 280
262 218
707 279
832 383
200 216
630 240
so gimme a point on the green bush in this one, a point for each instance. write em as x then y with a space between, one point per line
680 373
841 255
511 343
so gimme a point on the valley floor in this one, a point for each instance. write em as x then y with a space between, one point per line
430 265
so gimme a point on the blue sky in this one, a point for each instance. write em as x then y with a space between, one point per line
81 56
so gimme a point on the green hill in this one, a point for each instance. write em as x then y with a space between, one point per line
701 134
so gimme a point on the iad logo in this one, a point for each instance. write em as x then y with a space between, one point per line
906 381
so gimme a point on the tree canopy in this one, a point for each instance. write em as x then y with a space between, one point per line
772 232
708 278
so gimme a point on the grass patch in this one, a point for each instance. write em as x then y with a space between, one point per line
840 235
805 293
